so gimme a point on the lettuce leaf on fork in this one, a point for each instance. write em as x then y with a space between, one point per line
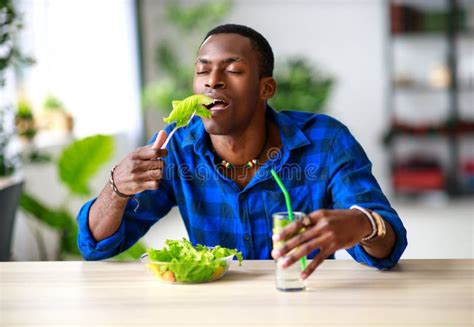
183 110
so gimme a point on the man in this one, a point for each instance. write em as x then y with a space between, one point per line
217 172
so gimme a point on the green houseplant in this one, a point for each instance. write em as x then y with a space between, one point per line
10 181
7 162
25 121
10 26
10 57
54 116
300 86
76 165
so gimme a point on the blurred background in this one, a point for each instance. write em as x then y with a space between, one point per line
84 82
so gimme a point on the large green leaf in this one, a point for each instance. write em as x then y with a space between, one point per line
82 159
69 239
58 219
76 165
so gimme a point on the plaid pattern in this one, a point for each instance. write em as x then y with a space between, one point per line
320 162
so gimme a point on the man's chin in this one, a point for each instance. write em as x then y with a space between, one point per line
215 128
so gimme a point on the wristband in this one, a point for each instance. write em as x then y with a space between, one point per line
371 219
120 194
114 187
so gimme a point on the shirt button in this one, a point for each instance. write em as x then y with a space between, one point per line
247 237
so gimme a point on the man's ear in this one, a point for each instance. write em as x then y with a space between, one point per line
267 87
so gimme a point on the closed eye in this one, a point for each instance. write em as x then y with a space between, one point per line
234 72
201 72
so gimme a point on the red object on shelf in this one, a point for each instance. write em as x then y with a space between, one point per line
468 167
396 18
404 19
461 127
430 179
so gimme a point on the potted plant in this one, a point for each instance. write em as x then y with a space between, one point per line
55 117
11 183
10 180
25 121
301 86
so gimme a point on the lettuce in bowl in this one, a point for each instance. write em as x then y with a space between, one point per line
180 261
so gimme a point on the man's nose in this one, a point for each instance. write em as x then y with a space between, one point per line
215 81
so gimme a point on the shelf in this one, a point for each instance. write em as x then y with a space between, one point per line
463 129
400 135
430 34
434 194
420 88
447 25
408 18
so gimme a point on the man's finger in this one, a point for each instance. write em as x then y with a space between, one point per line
147 153
293 242
296 226
155 174
306 248
289 230
317 260
160 139
140 166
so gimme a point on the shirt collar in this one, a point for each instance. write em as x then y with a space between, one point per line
291 136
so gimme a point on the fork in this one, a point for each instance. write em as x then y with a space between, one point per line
174 130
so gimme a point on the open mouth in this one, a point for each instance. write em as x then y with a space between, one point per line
217 104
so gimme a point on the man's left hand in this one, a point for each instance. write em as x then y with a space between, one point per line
326 230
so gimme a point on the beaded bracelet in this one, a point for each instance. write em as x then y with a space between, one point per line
120 194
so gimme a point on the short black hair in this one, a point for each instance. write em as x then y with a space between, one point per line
257 40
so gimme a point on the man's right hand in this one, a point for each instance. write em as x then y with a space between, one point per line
140 170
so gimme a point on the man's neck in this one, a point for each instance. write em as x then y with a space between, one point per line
244 145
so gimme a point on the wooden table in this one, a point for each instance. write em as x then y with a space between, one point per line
341 292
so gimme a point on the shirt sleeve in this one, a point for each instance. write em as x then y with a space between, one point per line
352 183
153 205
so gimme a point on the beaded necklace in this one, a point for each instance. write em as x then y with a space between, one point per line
249 164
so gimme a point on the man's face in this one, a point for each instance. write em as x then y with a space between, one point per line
227 69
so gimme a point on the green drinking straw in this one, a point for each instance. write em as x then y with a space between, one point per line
288 207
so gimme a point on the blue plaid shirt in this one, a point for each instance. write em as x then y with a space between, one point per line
320 162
